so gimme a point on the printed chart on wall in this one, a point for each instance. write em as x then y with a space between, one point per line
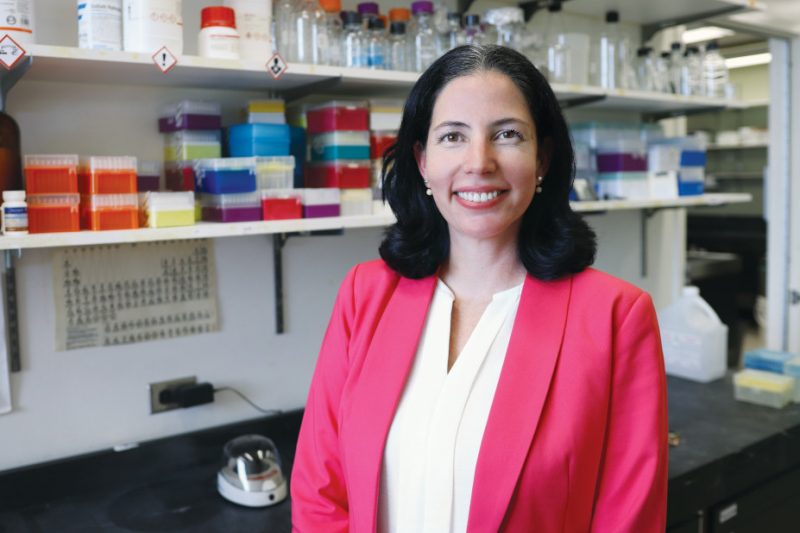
125 293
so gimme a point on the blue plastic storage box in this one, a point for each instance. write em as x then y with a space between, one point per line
247 140
226 176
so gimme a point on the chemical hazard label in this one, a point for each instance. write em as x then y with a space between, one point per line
164 59
276 66
11 52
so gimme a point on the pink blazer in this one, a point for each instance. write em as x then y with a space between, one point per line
576 438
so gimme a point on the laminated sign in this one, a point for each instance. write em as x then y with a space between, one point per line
125 293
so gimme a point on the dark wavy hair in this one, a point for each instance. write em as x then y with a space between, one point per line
553 241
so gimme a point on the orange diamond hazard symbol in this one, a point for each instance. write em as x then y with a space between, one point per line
11 52
164 59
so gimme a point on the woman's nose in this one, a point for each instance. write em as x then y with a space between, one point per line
480 158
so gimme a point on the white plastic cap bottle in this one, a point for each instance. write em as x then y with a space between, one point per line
15 213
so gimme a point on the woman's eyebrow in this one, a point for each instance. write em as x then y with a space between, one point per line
451 124
509 120
499 122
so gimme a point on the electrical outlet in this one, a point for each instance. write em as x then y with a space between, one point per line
156 406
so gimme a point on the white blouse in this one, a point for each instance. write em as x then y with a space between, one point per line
433 442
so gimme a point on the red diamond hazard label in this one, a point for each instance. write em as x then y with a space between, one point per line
11 52
164 59
276 66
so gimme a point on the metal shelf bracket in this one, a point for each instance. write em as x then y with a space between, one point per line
9 78
10 305
278 243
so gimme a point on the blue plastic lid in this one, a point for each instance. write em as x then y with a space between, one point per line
259 131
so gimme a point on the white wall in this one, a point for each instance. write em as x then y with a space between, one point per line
74 402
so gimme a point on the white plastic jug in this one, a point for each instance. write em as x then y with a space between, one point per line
694 339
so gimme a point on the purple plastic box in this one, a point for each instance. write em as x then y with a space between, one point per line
232 214
148 183
189 122
621 163
321 211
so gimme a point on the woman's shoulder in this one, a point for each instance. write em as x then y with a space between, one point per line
600 288
371 278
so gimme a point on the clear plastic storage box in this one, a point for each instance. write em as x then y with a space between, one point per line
242 207
183 145
344 174
356 202
51 174
53 213
321 203
226 176
190 115
167 209
337 115
767 360
279 204
340 145
107 175
248 140
148 176
763 388
792 369
109 211
179 176
275 172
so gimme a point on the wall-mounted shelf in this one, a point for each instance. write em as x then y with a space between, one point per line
721 147
76 65
216 230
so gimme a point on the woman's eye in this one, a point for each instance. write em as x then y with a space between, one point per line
450 137
507 135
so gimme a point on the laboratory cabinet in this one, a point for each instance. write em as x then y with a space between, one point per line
69 100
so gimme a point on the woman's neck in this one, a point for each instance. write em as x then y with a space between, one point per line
477 269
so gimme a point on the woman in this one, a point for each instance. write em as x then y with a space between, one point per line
480 376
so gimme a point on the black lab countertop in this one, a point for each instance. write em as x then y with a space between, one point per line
170 484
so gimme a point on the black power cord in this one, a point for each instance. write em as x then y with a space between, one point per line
192 394
248 400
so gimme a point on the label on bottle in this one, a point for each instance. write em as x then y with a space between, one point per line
16 17
15 219
100 25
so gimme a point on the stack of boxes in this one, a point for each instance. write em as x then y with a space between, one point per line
51 186
266 140
191 131
338 174
769 377
620 159
691 178
228 191
384 121
108 187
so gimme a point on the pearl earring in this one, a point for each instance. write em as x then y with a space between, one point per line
428 190
539 184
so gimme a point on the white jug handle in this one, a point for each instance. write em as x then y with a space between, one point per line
709 311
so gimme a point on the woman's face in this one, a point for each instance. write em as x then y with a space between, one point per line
480 160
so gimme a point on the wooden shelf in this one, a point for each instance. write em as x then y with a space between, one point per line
210 230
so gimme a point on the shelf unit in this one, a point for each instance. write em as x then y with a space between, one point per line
211 230
74 65
718 147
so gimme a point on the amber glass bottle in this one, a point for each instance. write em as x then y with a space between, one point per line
10 158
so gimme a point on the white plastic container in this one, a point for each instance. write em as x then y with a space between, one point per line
218 36
15 213
17 21
148 25
100 24
253 20
694 339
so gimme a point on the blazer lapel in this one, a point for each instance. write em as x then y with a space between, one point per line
380 387
519 399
